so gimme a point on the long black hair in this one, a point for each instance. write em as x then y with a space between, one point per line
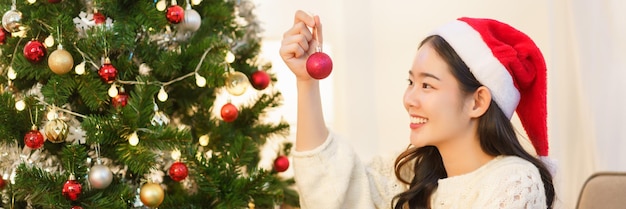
496 133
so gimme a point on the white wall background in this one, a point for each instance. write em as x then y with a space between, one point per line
373 43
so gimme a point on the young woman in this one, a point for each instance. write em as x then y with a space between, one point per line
466 81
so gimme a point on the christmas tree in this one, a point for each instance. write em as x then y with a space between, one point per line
131 104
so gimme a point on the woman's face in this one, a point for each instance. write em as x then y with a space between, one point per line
437 108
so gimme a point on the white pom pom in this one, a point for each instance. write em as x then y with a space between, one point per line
550 164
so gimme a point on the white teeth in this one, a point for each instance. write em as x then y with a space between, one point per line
418 120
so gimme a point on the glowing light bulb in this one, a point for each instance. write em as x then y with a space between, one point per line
80 68
11 74
200 81
161 5
52 115
32 1
204 140
49 41
133 139
113 91
162 95
196 2
230 57
176 154
20 105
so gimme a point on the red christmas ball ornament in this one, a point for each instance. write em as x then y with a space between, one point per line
175 14
319 65
107 72
281 163
72 189
120 100
229 112
178 171
33 138
260 80
2 183
77 207
54 1
34 51
99 18
4 34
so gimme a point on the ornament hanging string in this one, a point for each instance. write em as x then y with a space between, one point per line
227 68
98 151
30 112
317 39
106 47
60 38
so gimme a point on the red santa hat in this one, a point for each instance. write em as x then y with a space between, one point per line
509 63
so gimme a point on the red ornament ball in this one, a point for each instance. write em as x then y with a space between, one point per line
99 18
120 100
33 138
2 183
175 14
178 171
34 51
319 65
4 34
72 189
260 80
107 72
54 1
281 163
77 207
229 112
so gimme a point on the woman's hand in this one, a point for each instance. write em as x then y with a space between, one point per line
299 42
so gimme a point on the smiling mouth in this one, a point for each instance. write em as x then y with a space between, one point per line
418 120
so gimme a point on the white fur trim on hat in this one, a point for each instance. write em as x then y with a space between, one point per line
487 69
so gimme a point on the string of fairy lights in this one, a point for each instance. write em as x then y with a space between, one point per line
116 88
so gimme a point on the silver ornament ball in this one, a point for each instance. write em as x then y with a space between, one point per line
192 20
12 21
100 176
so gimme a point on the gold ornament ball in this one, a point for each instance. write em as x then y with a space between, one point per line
151 195
60 61
56 131
236 83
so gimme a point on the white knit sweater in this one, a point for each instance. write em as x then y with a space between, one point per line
331 176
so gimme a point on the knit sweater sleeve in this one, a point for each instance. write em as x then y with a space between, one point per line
518 187
332 176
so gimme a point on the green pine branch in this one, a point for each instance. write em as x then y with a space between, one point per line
58 90
41 188
13 123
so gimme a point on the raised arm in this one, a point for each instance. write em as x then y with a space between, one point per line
297 45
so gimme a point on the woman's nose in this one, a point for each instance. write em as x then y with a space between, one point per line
411 98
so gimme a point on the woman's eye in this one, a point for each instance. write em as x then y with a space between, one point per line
426 86
410 82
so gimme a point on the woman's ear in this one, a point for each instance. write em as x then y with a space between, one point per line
481 99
